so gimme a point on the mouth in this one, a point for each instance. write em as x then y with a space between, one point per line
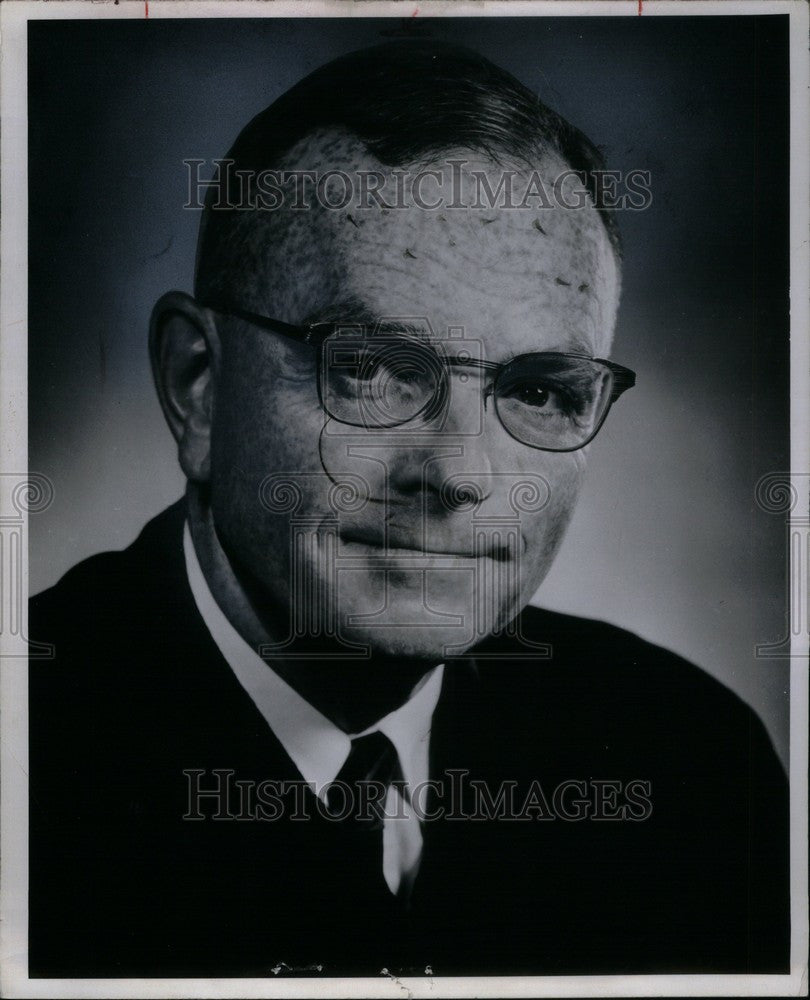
400 545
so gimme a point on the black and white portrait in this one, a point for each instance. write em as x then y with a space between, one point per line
410 594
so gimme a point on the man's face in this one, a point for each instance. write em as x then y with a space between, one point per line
409 566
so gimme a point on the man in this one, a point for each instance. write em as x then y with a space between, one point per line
382 408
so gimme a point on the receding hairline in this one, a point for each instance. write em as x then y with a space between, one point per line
406 104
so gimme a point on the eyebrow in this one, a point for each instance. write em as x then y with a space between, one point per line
571 347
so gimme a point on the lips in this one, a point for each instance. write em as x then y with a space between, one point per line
405 543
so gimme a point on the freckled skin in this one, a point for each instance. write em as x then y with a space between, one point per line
499 282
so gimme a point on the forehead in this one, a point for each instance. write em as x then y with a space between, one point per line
515 273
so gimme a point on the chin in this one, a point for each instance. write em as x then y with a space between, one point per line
409 618
411 643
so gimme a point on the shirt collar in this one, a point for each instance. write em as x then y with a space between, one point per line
317 747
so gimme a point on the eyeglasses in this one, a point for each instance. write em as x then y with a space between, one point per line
384 377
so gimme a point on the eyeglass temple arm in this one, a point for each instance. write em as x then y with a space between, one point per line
623 378
303 334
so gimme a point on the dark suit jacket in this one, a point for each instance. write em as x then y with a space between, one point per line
122 885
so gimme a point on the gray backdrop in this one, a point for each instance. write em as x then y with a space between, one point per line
668 540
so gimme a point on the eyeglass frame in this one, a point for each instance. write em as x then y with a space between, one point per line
315 334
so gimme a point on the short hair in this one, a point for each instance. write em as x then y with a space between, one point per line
405 101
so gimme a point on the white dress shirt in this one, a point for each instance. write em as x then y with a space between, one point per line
317 747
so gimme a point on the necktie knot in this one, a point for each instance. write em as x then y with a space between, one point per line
359 791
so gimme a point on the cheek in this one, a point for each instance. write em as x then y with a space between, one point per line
563 475
264 456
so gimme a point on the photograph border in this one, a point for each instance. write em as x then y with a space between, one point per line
21 491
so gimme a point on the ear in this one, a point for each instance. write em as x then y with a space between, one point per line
184 349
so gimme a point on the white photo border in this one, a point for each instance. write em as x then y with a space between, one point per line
14 980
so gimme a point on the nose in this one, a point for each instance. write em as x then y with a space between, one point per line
450 456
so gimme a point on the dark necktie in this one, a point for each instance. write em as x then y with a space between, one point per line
364 780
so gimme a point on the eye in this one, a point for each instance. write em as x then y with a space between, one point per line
383 367
540 397
356 362
533 395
